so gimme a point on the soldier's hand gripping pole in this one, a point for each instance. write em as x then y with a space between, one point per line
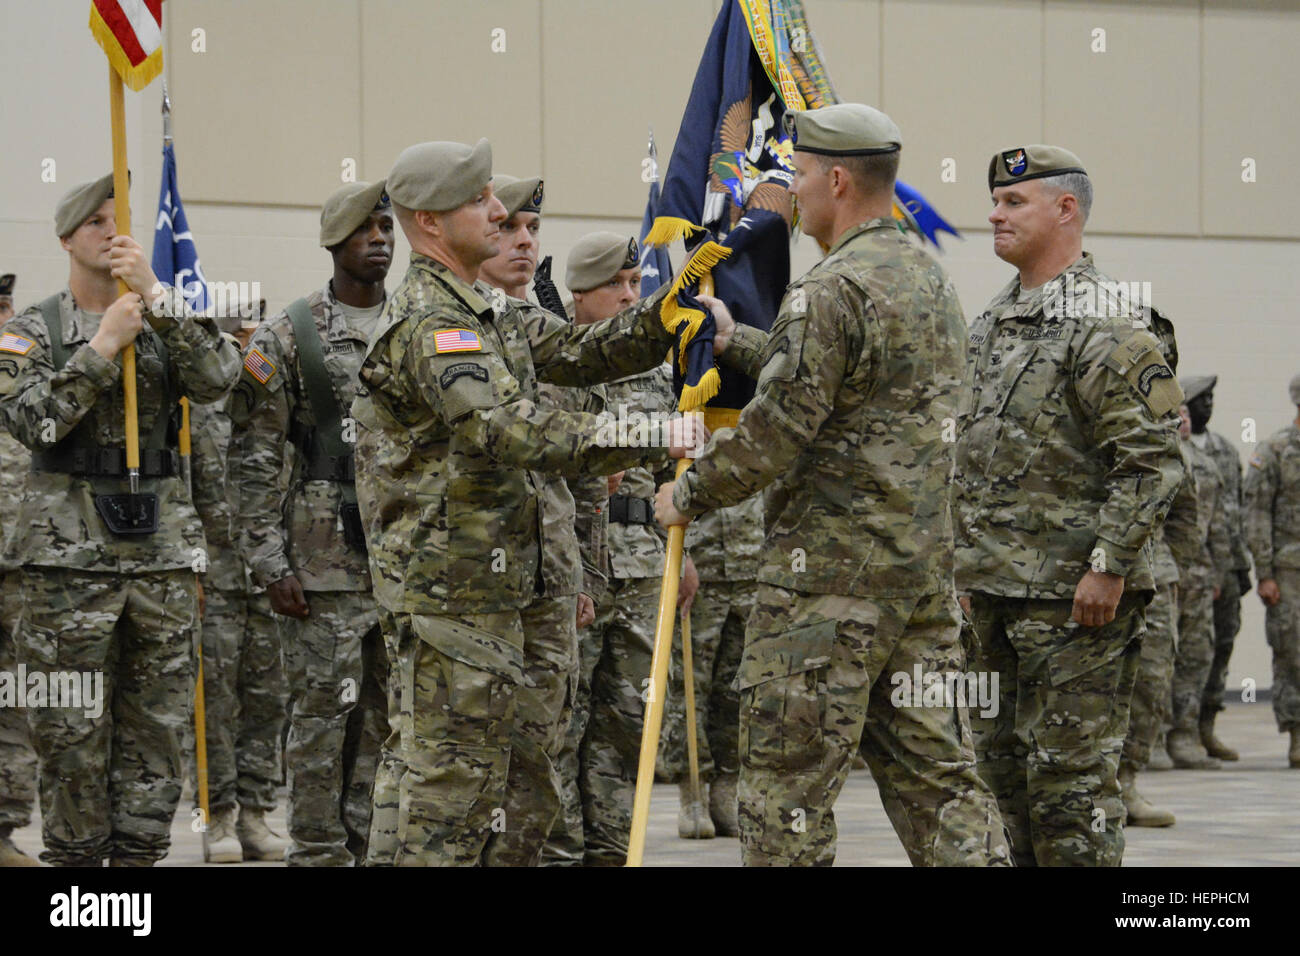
122 215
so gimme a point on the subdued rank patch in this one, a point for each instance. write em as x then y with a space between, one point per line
257 365
456 340
9 342
1149 374
1014 159
453 372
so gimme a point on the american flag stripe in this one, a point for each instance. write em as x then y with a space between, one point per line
258 367
15 343
130 32
456 340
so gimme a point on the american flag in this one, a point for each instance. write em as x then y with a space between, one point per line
258 366
456 340
130 32
15 343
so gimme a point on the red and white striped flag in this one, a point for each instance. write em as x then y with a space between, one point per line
130 31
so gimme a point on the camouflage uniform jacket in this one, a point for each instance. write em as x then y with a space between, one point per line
59 526
1211 524
1066 458
1225 456
1178 542
305 538
861 367
1273 503
726 544
637 550
15 462
464 434
210 451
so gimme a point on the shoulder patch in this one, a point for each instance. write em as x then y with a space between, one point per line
257 365
456 340
9 342
1140 362
460 370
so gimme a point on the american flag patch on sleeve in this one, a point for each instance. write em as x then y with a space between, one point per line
9 342
256 365
456 340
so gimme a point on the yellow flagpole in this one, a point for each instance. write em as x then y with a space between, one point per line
122 215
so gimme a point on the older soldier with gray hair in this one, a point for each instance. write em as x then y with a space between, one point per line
855 382
1066 465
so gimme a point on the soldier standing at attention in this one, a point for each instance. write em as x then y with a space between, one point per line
1273 530
452 385
101 591
855 381
17 759
1233 577
299 379
1197 590
1066 464
572 541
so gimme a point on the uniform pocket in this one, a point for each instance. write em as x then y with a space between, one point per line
783 697
484 669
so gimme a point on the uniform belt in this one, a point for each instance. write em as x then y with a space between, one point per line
100 462
624 509
331 468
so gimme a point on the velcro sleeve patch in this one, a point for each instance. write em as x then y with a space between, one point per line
258 366
9 342
1139 360
456 340
460 370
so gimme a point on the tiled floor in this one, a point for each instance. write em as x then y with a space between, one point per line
1246 815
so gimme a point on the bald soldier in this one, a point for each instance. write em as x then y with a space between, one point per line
860 370
1067 462
106 579
297 386
603 743
1273 530
452 386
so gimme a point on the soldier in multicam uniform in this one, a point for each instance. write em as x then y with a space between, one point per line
572 542
452 386
603 742
17 759
1233 576
857 382
297 389
1197 590
1066 464
1273 531
725 546
94 600
243 685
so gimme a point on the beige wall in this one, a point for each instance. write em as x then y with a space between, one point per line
288 90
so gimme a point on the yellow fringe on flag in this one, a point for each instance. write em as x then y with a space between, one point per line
700 264
135 77
697 396
668 229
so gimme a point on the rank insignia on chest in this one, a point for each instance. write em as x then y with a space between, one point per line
9 342
456 340
256 364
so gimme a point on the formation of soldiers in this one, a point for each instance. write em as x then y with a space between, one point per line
424 580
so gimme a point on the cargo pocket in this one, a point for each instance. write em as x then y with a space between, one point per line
782 685
1088 649
483 670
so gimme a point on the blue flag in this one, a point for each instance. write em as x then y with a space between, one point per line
656 267
175 258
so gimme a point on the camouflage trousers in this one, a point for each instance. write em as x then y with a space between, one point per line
1051 753
244 700
718 618
1149 711
110 775
334 666
819 682
1227 622
1194 657
382 847
17 759
1282 628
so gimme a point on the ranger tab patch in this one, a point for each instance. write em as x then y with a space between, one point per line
456 340
257 366
9 342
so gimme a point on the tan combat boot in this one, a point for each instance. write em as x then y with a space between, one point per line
258 839
10 855
693 821
1140 811
1186 752
1160 756
1213 745
221 845
1293 755
723 804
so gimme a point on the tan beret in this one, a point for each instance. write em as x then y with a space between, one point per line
845 129
1294 388
1194 386
597 257
440 176
1031 162
348 208
518 195
80 202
